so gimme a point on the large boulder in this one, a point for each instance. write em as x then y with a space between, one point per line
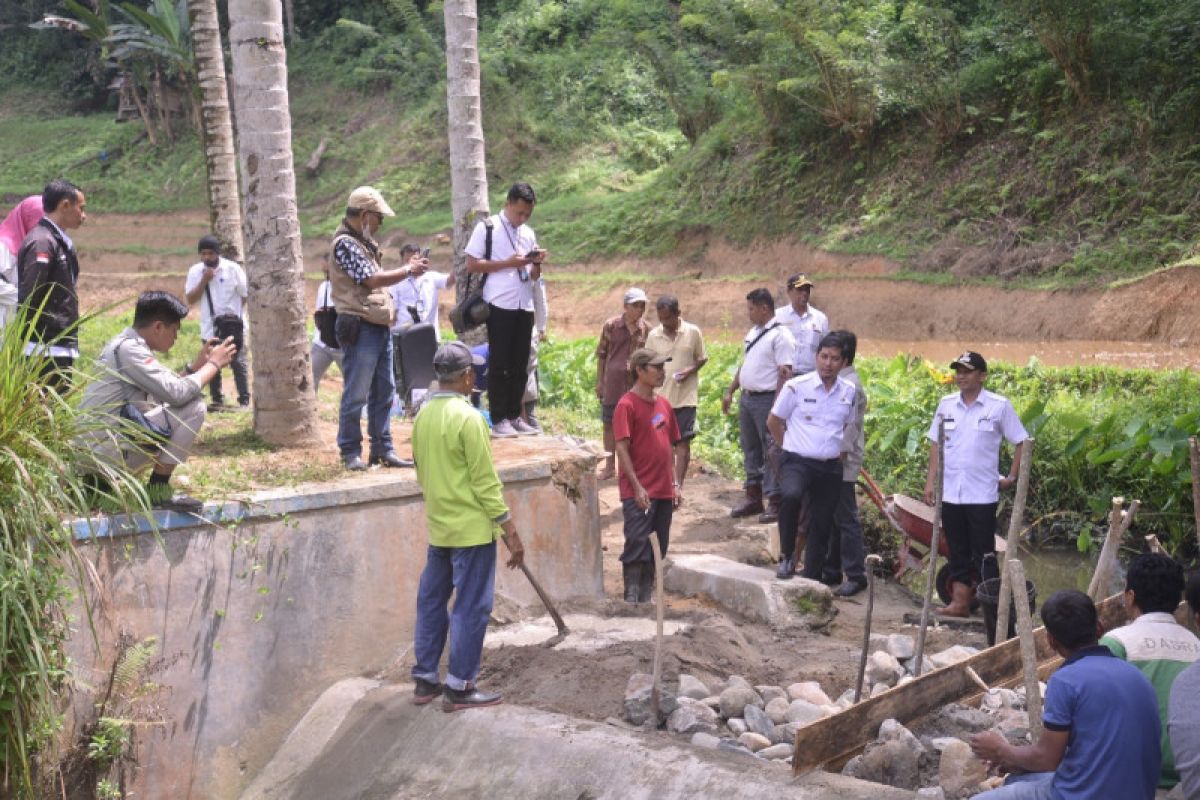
692 716
777 710
952 655
737 696
809 691
803 712
883 668
693 687
895 758
638 707
769 693
959 771
758 721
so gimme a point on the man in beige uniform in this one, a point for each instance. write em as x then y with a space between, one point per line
683 343
173 403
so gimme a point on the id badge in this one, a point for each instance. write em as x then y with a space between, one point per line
950 425
986 425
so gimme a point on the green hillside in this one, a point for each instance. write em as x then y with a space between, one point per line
1040 142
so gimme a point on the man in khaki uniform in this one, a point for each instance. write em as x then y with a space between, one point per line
683 344
129 374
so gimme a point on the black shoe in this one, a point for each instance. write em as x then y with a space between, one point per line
849 588
829 579
426 691
646 584
787 568
390 459
354 463
470 697
631 574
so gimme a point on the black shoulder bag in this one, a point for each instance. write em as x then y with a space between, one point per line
326 319
131 412
473 310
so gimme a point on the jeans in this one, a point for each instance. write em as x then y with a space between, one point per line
639 524
470 573
240 379
846 555
755 439
510 333
970 534
1033 786
821 482
366 381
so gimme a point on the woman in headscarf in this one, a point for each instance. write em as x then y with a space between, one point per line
12 232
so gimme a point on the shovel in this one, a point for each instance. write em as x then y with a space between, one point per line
554 615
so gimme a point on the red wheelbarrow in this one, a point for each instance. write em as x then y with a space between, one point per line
913 520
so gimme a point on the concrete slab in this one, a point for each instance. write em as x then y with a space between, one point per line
386 749
588 632
768 535
753 592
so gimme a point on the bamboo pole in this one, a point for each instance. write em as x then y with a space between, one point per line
1194 450
931 579
1118 525
872 562
1029 662
1014 536
658 637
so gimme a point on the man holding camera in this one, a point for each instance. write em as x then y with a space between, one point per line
219 286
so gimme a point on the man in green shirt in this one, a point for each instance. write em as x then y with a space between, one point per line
1153 641
464 508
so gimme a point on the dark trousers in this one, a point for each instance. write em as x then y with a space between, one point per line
469 573
57 372
509 335
820 481
846 556
240 378
639 524
971 534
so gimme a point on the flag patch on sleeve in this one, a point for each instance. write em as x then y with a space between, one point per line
43 258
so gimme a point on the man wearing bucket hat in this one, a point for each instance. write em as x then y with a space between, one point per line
620 336
976 422
647 441
364 316
464 510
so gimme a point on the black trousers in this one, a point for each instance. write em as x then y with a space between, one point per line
971 534
240 378
639 524
57 372
821 481
509 335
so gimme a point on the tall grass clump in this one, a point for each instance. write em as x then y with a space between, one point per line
41 487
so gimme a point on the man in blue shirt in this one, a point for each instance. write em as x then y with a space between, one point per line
1101 737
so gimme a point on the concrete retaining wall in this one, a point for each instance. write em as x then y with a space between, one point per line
256 618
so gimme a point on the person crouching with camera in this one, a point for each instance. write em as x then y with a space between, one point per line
219 286
156 413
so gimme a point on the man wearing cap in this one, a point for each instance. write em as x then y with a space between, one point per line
766 365
976 421
219 286
511 269
619 337
810 420
684 343
647 447
364 317
464 510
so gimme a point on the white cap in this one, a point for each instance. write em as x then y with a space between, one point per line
368 198
635 295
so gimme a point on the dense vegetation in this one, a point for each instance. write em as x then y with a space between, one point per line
1035 140
1099 432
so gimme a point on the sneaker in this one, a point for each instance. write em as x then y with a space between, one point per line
787 568
469 697
425 691
524 428
503 430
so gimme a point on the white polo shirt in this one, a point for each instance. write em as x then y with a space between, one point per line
228 289
973 437
508 288
816 418
761 363
807 329
422 294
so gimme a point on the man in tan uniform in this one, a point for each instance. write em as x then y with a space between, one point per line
171 404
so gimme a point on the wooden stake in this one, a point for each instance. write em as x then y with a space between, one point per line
1194 449
1118 525
1029 662
658 637
872 561
1015 523
931 579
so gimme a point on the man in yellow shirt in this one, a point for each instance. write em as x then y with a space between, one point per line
464 509
683 343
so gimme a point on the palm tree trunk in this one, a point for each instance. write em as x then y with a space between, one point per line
224 204
284 403
468 165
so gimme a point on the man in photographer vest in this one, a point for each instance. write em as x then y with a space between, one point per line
219 286
365 313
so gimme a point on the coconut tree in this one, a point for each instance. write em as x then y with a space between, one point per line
219 155
468 165
284 403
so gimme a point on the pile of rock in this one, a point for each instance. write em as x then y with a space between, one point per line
893 661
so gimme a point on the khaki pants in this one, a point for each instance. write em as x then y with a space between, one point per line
184 423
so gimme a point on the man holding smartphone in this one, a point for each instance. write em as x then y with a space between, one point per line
219 286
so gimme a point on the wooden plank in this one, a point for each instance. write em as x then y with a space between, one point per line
840 736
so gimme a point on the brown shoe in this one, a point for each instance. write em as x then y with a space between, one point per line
750 505
960 605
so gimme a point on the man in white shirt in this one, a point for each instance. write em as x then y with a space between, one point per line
511 270
766 365
416 298
976 421
810 419
219 286
807 325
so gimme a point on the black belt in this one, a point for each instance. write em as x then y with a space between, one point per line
813 460
753 393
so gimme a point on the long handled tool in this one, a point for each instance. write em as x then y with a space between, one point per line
658 636
554 615
872 562
919 657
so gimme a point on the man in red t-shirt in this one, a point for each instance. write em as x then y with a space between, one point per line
647 439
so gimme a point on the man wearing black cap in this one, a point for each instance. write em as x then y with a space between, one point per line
976 421
647 441
219 286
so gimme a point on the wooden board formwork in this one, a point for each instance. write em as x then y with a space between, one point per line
837 738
